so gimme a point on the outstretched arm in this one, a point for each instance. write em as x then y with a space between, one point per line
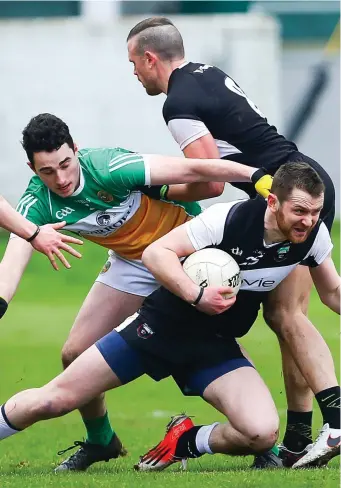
202 148
161 170
44 239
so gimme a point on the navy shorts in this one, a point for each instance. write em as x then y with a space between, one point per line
128 363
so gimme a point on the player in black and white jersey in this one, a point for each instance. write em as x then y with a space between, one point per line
210 116
197 345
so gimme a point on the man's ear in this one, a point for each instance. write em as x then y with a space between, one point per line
273 202
75 147
151 58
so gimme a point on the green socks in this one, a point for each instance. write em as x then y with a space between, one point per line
275 450
99 430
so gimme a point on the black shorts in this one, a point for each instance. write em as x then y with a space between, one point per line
135 350
328 211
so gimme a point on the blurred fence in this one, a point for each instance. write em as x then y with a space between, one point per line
78 69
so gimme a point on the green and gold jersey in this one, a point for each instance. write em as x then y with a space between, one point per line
106 208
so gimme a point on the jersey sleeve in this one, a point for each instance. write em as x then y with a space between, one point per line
320 249
207 229
186 131
128 170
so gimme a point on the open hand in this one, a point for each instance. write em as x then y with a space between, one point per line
50 242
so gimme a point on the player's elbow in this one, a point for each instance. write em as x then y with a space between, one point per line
215 189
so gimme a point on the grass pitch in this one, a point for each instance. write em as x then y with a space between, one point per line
31 337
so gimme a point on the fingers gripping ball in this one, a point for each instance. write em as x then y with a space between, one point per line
213 267
3 307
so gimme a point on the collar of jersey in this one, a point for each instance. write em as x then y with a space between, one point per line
81 183
172 74
183 65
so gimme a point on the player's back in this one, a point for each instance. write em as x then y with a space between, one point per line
204 95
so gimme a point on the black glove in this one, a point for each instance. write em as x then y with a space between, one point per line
157 192
3 307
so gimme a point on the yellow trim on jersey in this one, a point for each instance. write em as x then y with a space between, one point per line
152 220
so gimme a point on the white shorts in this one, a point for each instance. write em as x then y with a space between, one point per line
130 276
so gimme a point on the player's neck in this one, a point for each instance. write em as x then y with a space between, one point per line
272 233
166 71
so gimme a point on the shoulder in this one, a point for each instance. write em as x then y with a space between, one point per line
36 190
192 91
96 157
34 203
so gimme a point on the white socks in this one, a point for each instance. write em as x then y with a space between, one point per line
6 429
202 437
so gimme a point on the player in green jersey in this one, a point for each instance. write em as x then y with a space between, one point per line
95 192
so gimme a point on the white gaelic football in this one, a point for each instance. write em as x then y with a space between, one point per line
213 267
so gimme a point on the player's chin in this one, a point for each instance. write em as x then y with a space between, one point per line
152 91
298 236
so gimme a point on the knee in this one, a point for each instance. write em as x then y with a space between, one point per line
281 318
275 317
69 353
51 403
263 437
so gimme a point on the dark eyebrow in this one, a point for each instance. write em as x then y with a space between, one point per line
61 162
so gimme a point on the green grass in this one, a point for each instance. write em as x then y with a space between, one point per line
31 336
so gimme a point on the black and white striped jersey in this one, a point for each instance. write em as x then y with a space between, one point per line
202 99
238 228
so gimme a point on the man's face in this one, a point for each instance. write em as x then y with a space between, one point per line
144 68
297 216
59 170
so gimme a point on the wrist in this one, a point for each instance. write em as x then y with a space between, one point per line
257 175
164 192
34 235
197 297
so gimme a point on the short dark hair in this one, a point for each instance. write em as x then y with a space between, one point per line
160 35
296 175
45 132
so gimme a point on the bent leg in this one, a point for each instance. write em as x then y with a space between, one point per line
87 377
308 366
243 397
103 310
284 311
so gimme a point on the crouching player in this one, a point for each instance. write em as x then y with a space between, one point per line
196 344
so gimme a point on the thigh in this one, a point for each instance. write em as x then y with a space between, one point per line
127 275
103 309
291 294
243 398
88 376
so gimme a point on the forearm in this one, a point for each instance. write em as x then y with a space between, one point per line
195 191
173 170
332 300
12 266
164 264
14 222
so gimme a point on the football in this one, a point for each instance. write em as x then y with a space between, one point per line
213 267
